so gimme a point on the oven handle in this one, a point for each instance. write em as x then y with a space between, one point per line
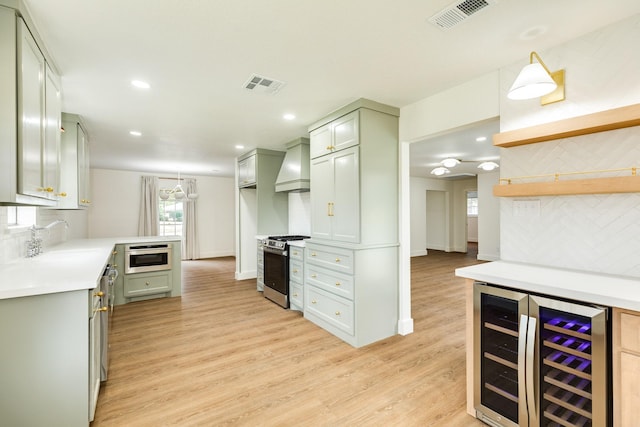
274 251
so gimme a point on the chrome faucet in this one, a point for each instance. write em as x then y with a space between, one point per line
34 245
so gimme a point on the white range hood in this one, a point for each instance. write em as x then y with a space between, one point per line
294 172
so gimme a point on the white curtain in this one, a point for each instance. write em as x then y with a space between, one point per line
190 245
148 222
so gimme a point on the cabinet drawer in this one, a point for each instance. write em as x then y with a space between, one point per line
147 284
296 271
331 308
296 253
296 297
630 332
336 259
332 281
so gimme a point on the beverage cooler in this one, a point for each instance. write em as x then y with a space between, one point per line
539 361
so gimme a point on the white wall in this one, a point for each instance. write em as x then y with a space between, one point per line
455 228
599 233
488 218
116 205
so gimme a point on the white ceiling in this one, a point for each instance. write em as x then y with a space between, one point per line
196 54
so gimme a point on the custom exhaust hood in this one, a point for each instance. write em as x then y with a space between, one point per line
294 172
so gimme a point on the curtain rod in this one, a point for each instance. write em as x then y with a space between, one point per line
175 179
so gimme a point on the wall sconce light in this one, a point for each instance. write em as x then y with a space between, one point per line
488 166
535 80
440 171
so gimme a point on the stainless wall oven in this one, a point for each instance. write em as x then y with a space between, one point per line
540 361
276 268
140 258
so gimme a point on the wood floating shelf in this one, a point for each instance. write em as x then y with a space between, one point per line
620 184
602 121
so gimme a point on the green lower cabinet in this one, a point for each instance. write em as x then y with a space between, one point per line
143 284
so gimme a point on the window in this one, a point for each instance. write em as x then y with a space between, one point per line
472 204
21 216
170 213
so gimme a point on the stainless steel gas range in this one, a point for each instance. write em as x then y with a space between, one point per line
276 268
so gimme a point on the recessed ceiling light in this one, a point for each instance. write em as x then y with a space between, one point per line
239 147
140 84
135 133
289 116
481 139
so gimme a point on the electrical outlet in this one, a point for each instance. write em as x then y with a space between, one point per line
526 208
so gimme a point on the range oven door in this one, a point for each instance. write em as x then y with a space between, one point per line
276 276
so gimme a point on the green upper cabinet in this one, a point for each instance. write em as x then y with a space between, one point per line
74 164
354 175
30 105
335 136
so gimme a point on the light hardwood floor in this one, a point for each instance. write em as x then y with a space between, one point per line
224 355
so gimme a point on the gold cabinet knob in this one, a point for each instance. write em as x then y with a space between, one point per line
146 283
313 254
337 259
295 295
103 309
295 270
338 284
63 194
295 253
313 302
114 253
49 189
337 313
98 294
313 276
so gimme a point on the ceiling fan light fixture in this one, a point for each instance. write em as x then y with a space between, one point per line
440 171
450 162
488 166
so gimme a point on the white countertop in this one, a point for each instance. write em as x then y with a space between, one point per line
602 289
69 266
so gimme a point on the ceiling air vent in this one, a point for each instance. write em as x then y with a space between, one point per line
458 12
263 84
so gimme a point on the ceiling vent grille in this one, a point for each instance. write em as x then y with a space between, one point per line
459 11
264 84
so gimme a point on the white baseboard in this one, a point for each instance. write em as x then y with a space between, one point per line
418 253
246 275
405 326
488 257
216 254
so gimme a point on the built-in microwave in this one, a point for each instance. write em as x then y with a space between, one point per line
140 258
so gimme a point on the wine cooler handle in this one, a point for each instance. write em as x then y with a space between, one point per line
522 361
530 368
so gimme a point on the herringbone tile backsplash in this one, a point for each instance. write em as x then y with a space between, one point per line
599 233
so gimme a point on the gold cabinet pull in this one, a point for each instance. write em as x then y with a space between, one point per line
337 259
337 313
295 295
338 284
103 309
63 194
330 209
313 302
313 276
330 147
98 294
295 270
313 254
